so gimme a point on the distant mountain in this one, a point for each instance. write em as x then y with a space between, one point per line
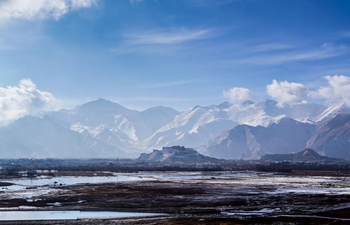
306 155
329 138
192 127
199 124
114 124
43 138
249 129
332 111
100 107
333 137
244 141
266 112
176 155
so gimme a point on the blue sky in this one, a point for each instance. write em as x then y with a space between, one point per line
177 53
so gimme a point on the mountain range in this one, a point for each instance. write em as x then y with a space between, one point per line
103 129
330 137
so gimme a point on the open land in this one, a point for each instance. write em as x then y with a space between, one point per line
193 197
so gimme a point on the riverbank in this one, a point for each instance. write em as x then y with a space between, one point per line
199 198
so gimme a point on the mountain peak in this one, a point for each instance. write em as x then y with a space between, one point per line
246 103
160 108
101 106
101 100
224 105
286 121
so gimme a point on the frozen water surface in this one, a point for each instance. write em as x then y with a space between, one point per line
27 188
67 215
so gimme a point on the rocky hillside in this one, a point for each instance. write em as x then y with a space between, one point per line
328 138
248 142
176 154
306 155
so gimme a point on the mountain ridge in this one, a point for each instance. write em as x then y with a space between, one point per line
142 131
329 138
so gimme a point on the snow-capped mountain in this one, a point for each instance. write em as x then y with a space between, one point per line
333 137
114 127
192 127
114 124
244 141
268 111
199 124
331 111
329 138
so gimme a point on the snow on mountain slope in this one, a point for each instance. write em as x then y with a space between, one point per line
92 113
191 128
43 138
113 137
333 137
244 141
132 131
114 124
331 111
196 126
148 121
268 111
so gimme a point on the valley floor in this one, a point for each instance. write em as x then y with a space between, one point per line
196 198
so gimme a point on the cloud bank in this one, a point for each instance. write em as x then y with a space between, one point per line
338 90
24 99
286 92
238 94
40 9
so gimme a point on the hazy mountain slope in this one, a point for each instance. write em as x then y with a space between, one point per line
333 137
111 124
306 155
268 111
114 124
285 136
43 138
331 111
192 127
197 125
92 113
150 120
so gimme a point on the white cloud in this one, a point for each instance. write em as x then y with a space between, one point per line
168 37
338 90
286 92
165 42
327 50
24 99
40 9
238 94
